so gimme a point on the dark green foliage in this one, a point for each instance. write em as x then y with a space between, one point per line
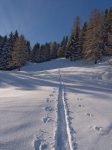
74 43
93 40
62 47
14 51
54 50
41 53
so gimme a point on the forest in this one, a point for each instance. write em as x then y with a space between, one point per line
90 41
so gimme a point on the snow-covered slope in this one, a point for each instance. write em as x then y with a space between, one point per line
56 105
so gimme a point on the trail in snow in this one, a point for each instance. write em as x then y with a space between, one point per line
63 133
40 143
63 137
43 138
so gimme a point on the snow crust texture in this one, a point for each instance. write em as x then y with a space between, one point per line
56 105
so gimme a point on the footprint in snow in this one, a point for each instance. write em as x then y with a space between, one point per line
104 131
54 91
98 128
89 115
80 105
47 119
40 142
48 108
47 100
44 146
51 95
79 99
38 145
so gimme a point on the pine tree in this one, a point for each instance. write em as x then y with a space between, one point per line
107 32
35 54
42 53
47 52
54 49
74 43
11 49
83 34
19 55
28 50
16 35
2 53
92 44
62 47
12 40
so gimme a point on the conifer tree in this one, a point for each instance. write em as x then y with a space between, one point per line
74 43
12 39
83 33
47 51
19 55
3 52
62 47
28 50
42 53
107 32
35 54
54 46
92 42
9 51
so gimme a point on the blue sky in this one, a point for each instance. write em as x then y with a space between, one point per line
45 20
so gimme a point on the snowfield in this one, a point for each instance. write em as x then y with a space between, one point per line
56 105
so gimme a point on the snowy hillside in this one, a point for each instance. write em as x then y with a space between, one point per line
56 105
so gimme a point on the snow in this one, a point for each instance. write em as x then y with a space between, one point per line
56 105
63 135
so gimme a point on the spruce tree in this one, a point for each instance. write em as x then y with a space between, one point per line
19 55
74 43
28 50
3 53
35 53
54 49
92 41
47 51
83 34
107 32
12 40
62 47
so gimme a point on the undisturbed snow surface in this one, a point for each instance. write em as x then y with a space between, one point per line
56 105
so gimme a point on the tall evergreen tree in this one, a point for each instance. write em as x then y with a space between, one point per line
92 44
74 43
54 49
107 32
47 52
19 55
83 34
12 40
62 47
35 54
28 50
3 52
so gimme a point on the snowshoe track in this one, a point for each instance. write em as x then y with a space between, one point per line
63 133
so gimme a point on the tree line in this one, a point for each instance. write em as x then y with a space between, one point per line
90 41
15 51
93 40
